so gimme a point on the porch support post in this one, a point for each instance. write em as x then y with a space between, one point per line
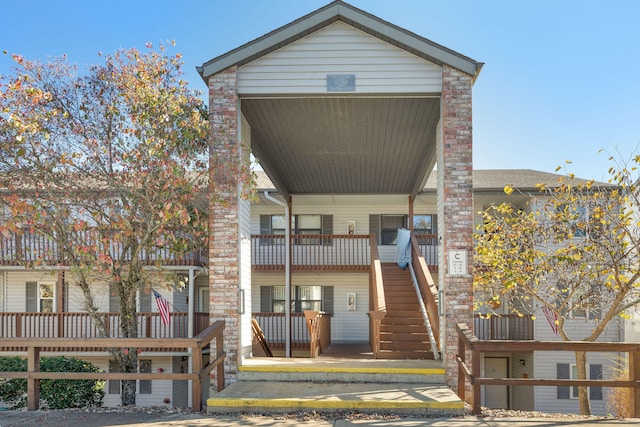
224 206
287 277
60 300
410 225
455 210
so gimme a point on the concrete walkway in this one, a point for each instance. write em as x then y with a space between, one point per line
178 419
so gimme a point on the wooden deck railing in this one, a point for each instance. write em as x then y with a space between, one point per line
428 289
311 252
377 304
17 250
503 327
467 342
211 337
273 327
82 325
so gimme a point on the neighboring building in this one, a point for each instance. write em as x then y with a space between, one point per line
44 303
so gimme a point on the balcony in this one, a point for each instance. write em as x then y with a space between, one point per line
28 248
327 252
510 327
82 325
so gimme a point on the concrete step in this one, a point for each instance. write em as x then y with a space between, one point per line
369 370
395 398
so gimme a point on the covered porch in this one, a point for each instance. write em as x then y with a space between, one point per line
338 103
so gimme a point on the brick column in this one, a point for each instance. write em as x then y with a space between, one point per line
455 206
224 272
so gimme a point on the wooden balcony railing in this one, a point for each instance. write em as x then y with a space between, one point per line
304 337
81 325
200 367
273 328
311 252
428 244
469 343
26 248
503 327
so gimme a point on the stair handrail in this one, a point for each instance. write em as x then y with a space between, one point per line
378 304
423 310
427 292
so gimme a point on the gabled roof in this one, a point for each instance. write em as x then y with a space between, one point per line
341 11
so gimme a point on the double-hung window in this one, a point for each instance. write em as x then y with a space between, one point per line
569 371
302 224
305 297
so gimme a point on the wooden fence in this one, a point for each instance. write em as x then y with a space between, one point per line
211 336
469 343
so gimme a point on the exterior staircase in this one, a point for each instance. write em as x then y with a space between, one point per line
402 331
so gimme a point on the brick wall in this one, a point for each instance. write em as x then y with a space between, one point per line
224 273
455 169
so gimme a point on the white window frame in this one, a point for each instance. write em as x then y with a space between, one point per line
40 297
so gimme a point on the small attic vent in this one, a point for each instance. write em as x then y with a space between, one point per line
341 82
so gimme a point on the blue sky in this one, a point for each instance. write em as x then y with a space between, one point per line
560 81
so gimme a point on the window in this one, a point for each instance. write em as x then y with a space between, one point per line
584 303
300 224
385 227
40 297
45 297
303 298
425 225
571 220
144 367
278 224
389 225
308 297
569 371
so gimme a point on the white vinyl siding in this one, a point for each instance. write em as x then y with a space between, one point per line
160 389
346 326
303 66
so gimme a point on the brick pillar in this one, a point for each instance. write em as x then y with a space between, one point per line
455 207
224 273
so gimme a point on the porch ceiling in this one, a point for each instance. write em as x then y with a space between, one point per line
344 144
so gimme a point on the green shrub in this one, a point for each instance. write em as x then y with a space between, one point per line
54 394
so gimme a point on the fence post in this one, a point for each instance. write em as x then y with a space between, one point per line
634 375
475 371
461 375
220 368
196 384
33 384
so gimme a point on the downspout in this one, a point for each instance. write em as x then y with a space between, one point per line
287 272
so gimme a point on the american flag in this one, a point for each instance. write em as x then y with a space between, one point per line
163 307
552 317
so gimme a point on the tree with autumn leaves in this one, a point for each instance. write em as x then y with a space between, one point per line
574 252
110 164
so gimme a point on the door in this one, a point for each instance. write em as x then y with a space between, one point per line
496 396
